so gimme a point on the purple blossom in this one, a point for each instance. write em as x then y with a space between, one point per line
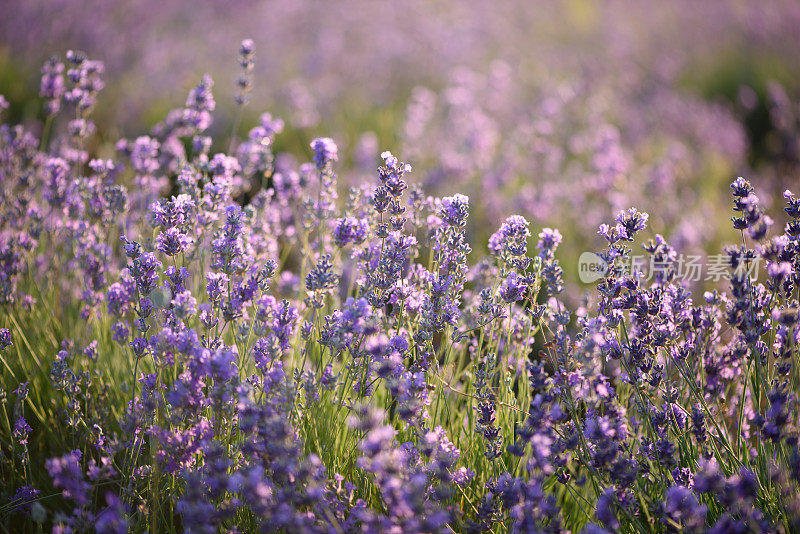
349 230
630 222
184 305
199 105
24 497
263 327
5 338
172 242
683 509
455 210
549 239
510 242
325 152
21 431
67 474
513 288
113 519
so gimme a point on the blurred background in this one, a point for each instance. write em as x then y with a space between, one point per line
564 112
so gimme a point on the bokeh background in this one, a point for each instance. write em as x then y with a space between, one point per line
564 112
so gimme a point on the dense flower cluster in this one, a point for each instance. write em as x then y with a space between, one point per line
180 355
565 107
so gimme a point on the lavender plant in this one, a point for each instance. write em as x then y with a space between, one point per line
199 341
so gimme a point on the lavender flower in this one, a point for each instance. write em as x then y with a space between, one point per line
513 288
67 474
455 210
246 62
24 497
5 338
172 242
349 230
281 311
21 431
199 105
325 152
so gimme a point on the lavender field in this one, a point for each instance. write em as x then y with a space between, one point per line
399 267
